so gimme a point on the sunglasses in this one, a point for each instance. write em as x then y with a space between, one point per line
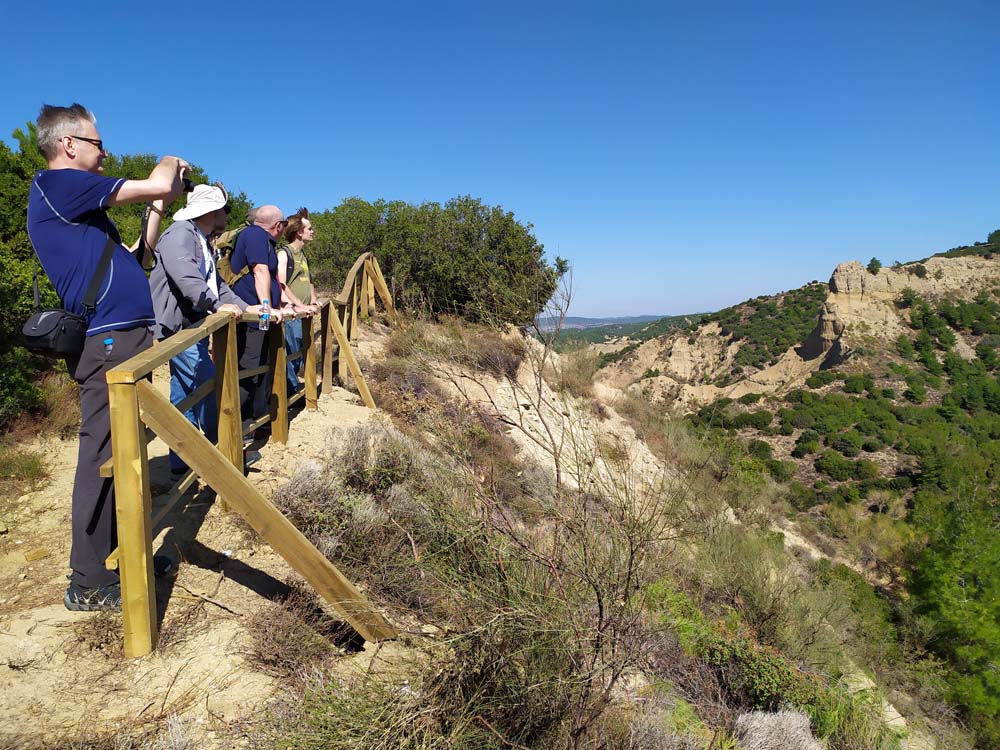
96 141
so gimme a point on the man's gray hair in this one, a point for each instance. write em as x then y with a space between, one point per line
56 122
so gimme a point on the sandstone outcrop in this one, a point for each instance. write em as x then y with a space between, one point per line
860 310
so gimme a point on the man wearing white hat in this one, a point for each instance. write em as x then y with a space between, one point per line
186 288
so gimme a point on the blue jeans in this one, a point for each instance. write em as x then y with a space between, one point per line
188 370
293 343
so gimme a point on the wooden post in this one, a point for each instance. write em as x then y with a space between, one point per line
227 393
266 520
133 509
309 360
352 330
277 359
363 302
370 276
346 355
383 291
342 369
327 346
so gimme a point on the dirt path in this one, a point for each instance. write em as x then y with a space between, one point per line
62 677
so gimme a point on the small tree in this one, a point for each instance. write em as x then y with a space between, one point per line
874 265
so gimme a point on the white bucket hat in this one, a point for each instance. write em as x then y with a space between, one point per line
202 200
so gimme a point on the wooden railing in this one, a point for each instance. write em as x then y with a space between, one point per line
139 412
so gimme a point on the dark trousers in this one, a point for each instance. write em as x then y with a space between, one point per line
95 532
255 392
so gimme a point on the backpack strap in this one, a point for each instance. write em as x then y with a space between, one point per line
289 263
90 298
34 286
240 275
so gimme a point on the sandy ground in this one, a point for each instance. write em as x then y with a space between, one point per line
62 677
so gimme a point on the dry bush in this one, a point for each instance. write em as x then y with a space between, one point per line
170 734
403 387
574 373
648 724
20 469
369 512
599 410
292 634
750 574
374 457
100 632
186 620
782 730
695 680
488 351
62 405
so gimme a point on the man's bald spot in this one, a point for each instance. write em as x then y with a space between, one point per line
268 216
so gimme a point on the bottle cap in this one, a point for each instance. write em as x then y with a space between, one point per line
108 340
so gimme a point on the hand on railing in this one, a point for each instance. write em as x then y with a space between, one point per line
275 312
233 310
308 309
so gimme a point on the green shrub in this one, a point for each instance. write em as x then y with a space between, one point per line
821 378
835 466
801 450
781 471
756 419
865 469
854 384
760 449
848 443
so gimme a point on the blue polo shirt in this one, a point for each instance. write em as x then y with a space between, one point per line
68 228
254 246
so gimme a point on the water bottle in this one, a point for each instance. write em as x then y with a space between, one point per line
265 314
109 344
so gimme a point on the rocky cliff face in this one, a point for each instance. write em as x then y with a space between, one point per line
861 308
863 304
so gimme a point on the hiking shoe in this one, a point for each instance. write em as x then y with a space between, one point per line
164 567
80 599
250 458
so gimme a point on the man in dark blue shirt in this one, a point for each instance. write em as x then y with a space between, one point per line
255 251
69 228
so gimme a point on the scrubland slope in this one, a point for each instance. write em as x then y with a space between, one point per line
567 566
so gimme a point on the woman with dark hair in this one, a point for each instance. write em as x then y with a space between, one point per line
296 282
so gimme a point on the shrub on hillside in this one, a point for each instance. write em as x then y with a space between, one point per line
835 466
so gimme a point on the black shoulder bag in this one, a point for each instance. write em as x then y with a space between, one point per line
59 333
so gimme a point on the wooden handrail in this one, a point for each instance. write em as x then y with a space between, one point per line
134 404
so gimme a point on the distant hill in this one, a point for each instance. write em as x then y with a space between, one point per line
573 321
640 328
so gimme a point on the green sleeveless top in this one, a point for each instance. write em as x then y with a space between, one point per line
298 278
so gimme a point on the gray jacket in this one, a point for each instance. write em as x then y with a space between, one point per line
181 296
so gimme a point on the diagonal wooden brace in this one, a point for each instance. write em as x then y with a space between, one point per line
242 497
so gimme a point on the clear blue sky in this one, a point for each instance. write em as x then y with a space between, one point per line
682 156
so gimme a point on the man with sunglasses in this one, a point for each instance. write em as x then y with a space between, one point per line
186 289
70 231
255 263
